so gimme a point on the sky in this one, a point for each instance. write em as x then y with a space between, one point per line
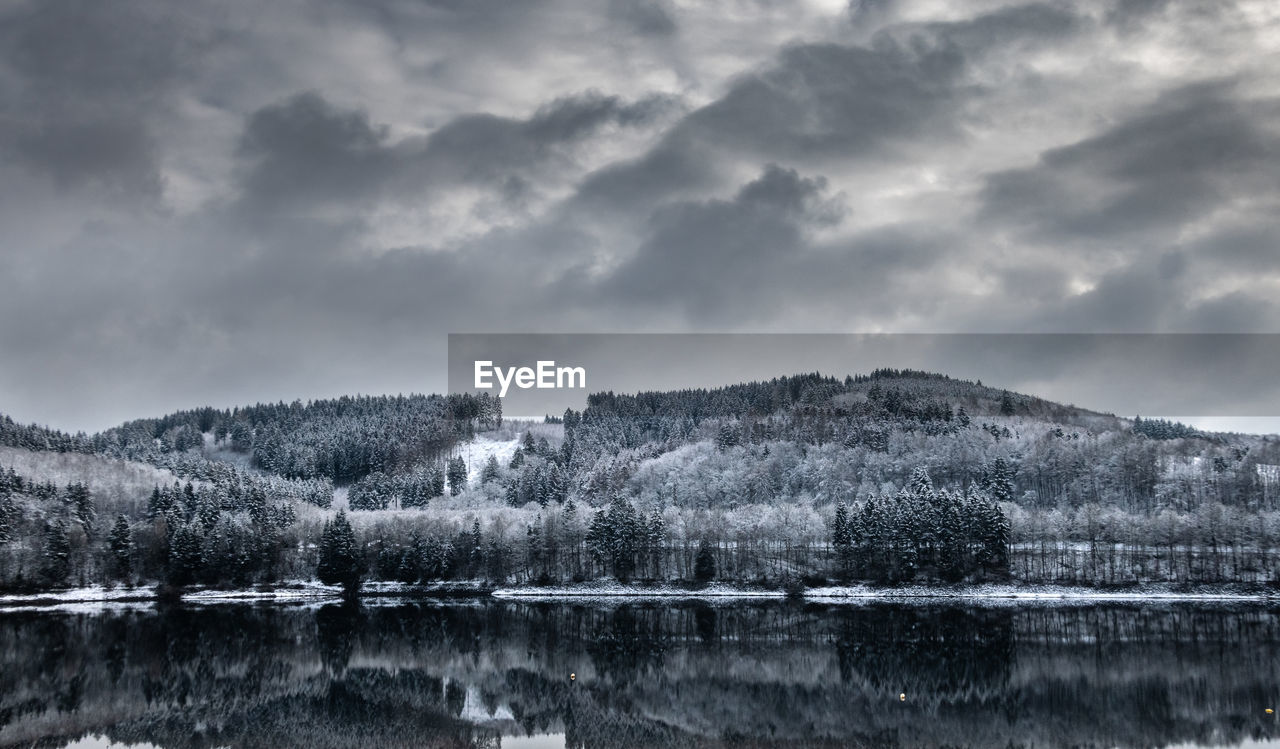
231 202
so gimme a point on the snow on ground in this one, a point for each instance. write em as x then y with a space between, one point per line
312 590
94 594
97 598
612 589
1028 593
477 452
301 590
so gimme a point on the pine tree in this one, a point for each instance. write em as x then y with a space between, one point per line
457 475
186 554
475 554
728 436
556 486
842 539
81 503
9 517
55 557
997 480
1006 404
840 535
120 544
437 481
491 470
339 555
656 532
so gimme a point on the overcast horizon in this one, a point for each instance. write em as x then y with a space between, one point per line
230 203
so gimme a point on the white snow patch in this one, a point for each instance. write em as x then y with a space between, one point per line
476 453
618 590
91 594
1024 593
298 590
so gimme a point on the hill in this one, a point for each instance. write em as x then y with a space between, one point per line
894 475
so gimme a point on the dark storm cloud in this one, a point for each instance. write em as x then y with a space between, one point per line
1194 150
233 202
739 260
819 102
85 81
815 103
825 99
305 152
700 253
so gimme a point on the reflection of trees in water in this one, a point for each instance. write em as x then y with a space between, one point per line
648 675
933 654
629 647
337 626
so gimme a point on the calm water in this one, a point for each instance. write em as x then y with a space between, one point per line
664 674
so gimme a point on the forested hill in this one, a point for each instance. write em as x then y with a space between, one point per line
339 440
806 436
891 476
831 439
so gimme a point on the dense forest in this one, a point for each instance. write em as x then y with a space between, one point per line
891 477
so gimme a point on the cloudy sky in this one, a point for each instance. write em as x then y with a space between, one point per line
228 202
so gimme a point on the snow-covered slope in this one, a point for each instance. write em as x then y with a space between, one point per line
117 485
477 452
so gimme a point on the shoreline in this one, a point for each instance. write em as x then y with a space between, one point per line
311 591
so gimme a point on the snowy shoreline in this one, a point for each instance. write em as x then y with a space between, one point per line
617 590
301 591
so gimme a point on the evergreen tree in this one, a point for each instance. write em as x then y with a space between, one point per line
339 555
55 557
186 554
491 470
1006 404
475 549
457 475
9 517
842 539
120 544
437 481
656 531
997 480
728 436
616 536
81 503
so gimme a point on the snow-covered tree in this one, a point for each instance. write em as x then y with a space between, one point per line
120 544
55 556
339 556
457 475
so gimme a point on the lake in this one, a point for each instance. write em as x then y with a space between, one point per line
618 673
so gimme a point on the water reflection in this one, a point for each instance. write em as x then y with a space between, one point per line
489 674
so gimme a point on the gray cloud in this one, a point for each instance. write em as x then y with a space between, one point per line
84 85
649 17
304 152
1193 150
224 203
